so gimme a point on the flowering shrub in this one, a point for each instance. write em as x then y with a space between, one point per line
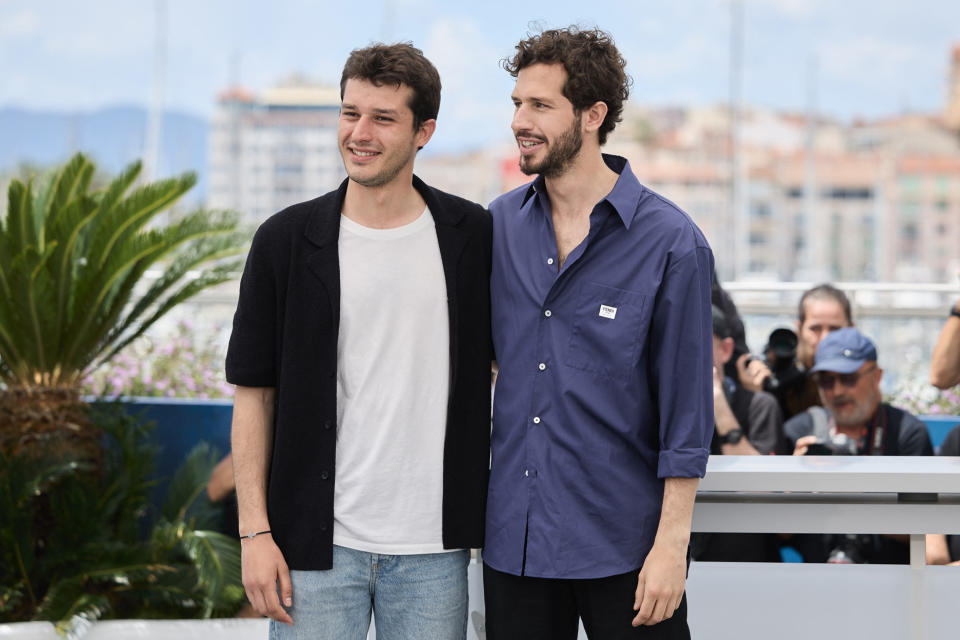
916 395
183 364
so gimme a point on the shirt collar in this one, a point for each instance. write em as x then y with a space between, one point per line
624 197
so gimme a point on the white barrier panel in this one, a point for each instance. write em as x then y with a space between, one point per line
742 600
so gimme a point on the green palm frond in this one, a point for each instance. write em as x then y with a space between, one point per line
216 558
19 230
87 597
86 609
72 263
189 482
11 596
131 214
81 610
72 181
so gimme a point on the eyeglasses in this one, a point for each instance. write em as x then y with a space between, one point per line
826 380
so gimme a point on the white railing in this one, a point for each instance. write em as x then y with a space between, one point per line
869 299
891 495
759 601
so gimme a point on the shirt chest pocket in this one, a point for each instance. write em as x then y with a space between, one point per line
609 330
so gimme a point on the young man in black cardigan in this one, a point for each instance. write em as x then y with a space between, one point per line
361 354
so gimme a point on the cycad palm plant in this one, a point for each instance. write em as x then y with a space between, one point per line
71 260
91 560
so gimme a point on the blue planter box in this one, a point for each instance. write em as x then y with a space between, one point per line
180 425
939 427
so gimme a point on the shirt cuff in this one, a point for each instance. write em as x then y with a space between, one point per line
683 463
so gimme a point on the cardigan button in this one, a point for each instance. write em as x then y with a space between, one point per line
327 425
324 475
323 527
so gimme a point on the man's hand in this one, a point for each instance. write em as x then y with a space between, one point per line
661 583
800 448
263 568
664 573
752 372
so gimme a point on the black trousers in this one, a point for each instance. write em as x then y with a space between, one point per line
523 608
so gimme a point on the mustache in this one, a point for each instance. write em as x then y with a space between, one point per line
527 134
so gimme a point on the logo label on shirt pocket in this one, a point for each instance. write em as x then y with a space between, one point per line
608 312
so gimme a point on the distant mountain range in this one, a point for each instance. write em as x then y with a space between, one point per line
112 136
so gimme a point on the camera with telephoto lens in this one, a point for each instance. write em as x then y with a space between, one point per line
780 354
846 551
839 444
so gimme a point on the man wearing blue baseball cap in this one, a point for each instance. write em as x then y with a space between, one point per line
855 421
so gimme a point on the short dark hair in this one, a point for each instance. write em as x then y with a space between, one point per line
594 66
825 291
721 328
396 64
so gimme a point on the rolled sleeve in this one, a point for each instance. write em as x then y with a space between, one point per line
682 463
682 365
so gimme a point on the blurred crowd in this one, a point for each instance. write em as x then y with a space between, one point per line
816 391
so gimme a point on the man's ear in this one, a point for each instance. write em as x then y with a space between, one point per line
425 132
726 350
593 116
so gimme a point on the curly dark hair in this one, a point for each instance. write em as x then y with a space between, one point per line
396 64
594 66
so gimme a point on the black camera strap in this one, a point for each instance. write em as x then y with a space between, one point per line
871 440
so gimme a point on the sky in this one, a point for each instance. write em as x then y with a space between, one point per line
873 58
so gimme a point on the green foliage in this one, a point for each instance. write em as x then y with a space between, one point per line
71 260
71 543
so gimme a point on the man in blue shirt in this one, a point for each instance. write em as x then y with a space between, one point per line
602 329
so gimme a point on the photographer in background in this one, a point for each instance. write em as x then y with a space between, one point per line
822 309
746 423
855 421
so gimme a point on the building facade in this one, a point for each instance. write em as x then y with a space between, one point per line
269 151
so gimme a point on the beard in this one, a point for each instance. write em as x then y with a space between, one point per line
853 414
393 163
560 154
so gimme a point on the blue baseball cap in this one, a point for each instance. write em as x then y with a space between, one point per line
844 351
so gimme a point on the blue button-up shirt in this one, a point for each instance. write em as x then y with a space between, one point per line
605 382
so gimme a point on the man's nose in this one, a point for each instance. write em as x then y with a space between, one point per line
520 120
362 129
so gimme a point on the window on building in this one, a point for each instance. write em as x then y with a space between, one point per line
909 210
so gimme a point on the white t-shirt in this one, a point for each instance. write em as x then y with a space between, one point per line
393 378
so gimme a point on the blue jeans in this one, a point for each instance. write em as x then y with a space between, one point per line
413 597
